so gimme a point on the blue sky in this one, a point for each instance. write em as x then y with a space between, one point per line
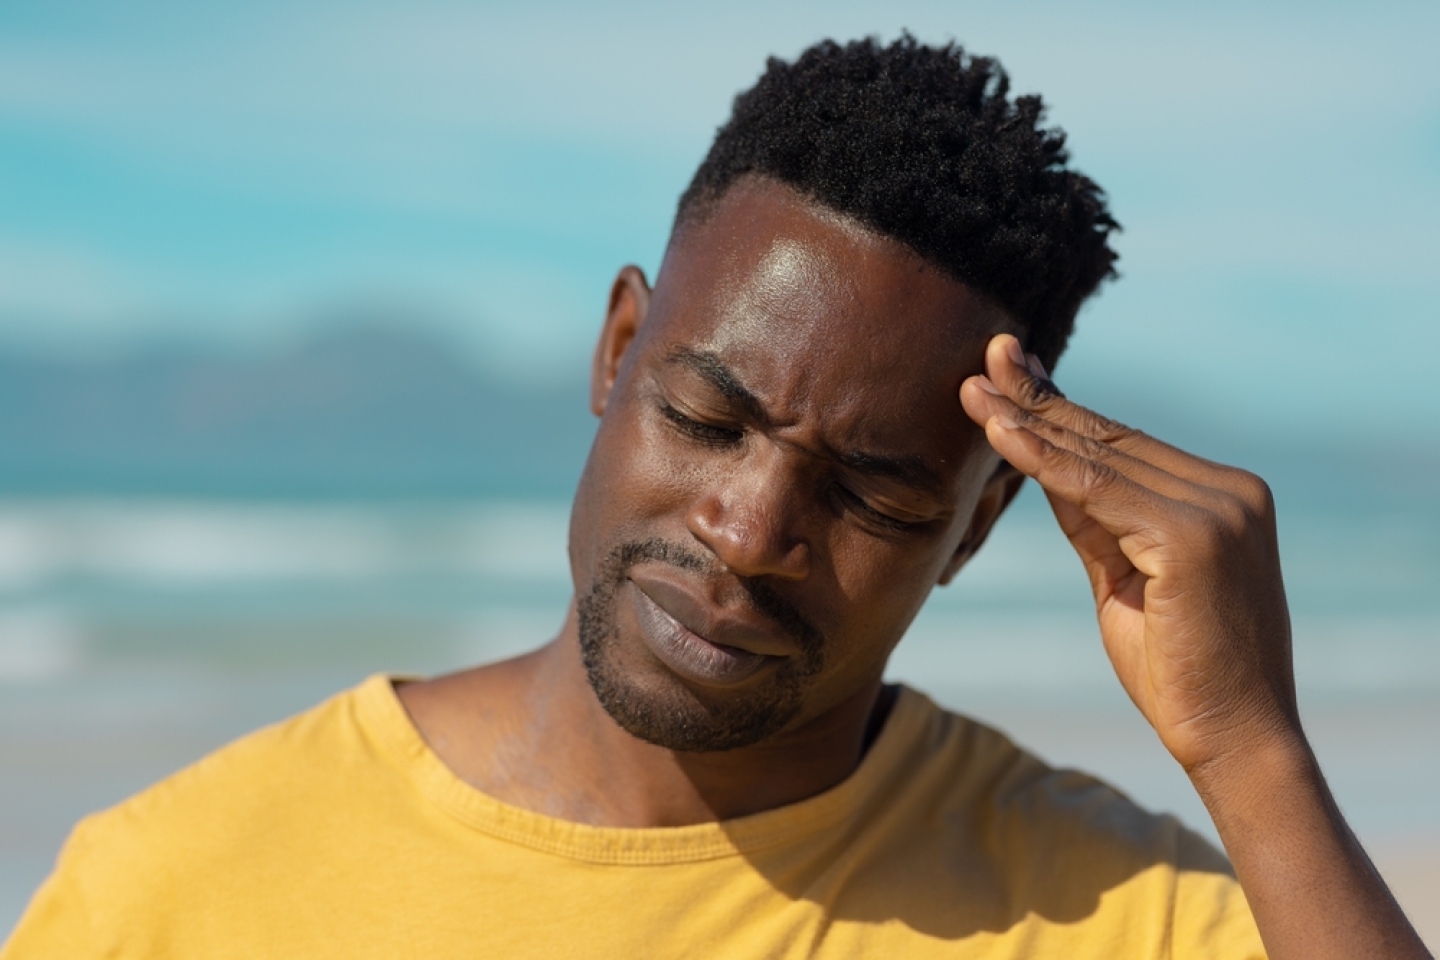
242 172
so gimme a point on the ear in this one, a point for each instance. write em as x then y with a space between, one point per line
629 302
999 491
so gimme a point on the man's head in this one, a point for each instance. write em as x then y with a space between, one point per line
783 470
925 146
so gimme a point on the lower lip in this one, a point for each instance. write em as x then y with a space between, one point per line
691 655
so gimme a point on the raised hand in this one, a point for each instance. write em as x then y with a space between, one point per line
1181 554
1182 557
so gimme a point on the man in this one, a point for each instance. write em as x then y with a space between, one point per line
835 387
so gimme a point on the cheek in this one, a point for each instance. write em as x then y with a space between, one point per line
633 476
610 493
883 584
640 481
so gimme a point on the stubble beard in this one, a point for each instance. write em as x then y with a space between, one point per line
666 712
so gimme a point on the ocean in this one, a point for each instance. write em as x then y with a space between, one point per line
138 634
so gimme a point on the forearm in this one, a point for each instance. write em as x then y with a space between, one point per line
1163 534
1313 890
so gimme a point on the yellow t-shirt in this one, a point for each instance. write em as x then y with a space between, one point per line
340 834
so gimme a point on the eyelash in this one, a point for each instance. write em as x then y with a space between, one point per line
857 504
726 436
703 432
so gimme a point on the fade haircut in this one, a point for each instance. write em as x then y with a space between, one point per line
923 145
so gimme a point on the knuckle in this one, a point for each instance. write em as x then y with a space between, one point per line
1037 423
1244 500
1232 514
1098 450
1109 431
1031 421
1093 479
1255 493
1041 395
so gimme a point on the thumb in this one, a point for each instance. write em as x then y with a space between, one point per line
1099 549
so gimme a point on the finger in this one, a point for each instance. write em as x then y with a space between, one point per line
1234 495
1024 380
1099 550
1126 509
1142 472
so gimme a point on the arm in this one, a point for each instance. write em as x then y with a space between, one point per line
1184 564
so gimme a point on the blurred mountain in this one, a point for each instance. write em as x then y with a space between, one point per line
370 410
359 411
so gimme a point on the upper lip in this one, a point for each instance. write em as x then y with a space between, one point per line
739 628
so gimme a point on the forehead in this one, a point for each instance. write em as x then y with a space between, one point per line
821 312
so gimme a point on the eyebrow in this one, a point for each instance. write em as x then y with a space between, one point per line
911 470
719 376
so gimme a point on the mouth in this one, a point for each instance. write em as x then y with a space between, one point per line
675 628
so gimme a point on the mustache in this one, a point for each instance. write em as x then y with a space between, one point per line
761 595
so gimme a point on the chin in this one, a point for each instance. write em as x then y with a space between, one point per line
654 703
658 707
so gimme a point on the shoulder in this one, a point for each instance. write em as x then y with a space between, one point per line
289 762
1016 799
1025 842
172 846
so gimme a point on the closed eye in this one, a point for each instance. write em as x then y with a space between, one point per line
856 504
703 432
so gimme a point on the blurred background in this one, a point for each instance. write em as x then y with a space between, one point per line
296 301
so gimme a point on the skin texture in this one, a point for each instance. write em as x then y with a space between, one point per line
1183 561
804 423
847 344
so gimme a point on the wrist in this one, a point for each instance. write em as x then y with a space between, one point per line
1312 889
1257 771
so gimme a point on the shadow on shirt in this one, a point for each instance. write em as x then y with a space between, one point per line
966 833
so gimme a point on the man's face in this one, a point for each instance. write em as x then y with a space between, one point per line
781 474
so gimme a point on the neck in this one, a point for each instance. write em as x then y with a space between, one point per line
530 732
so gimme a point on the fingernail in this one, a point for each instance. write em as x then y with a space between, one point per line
1005 423
984 384
1017 354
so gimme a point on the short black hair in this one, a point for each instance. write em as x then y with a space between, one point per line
923 144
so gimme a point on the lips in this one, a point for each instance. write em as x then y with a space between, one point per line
714 648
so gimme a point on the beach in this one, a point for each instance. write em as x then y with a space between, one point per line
137 636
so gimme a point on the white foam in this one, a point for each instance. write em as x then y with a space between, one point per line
185 544
517 540
38 644
29 550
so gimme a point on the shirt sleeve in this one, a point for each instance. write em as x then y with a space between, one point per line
58 922
1212 917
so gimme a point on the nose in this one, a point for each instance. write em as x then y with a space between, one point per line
751 518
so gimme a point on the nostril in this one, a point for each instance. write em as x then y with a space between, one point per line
749 540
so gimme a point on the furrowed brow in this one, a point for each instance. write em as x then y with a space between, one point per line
910 469
723 379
